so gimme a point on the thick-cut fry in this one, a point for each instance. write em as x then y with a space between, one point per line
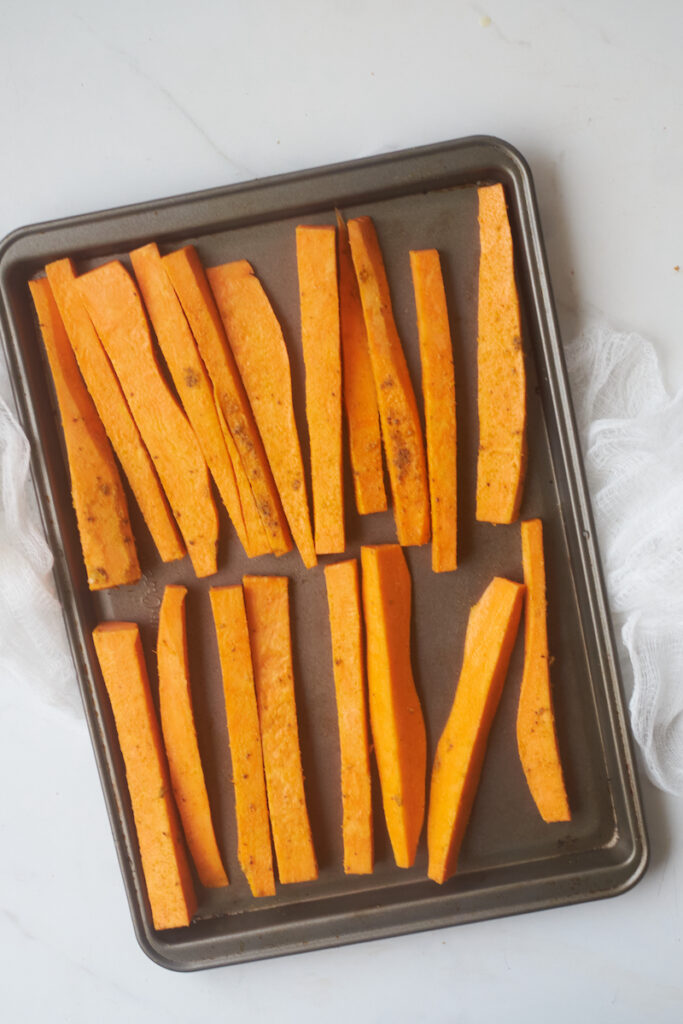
96 489
257 541
192 288
180 740
319 301
164 862
490 637
267 605
113 410
251 806
401 430
536 735
360 400
256 340
398 728
189 376
438 390
116 310
343 598
501 463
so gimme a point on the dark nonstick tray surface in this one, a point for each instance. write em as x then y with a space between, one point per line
511 861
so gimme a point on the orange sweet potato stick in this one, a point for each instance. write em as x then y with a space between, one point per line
398 729
490 637
113 410
251 806
360 400
536 735
343 597
189 376
116 310
180 740
319 301
401 430
96 489
257 343
164 862
501 463
192 288
267 605
438 389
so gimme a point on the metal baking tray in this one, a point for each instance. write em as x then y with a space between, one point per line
511 861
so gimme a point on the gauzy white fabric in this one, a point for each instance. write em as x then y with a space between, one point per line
34 650
632 436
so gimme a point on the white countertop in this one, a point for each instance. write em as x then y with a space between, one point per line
106 104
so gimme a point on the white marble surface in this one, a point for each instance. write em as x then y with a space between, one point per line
104 104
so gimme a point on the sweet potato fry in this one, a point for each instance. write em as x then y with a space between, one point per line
401 430
438 389
501 463
267 604
490 637
256 340
251 807
189 376
257 541
116 310
164 862
96 489
113 410
536 735
180 740
398 728
319 302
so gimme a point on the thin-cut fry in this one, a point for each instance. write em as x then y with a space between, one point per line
180 740
164 862
251 806
192 288
343 598
267 605
536 735
360 400
113 410
96 489
257 541
501 463
398 728
189 376
319 301
401 430
256 340
490 637
116 310
438 390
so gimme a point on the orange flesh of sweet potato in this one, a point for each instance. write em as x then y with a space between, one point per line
113 410
164 862
267 605
398 729
192 288
319 303
343 597
96 489
189 376
180 740
251 806
257 343
116 310
438 389
360 400
501 462
536 735
490 638
401 430
257 541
